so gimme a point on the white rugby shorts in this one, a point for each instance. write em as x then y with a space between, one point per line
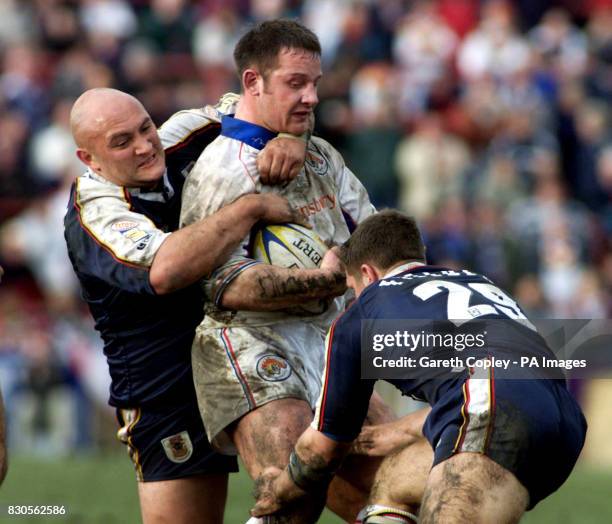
239 368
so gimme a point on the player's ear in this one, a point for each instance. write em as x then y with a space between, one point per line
88 159
84 156
250 82
368 274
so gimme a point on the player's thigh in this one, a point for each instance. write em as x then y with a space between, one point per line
181 478
470 488
265 436
192 500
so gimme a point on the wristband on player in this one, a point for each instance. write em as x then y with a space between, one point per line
305 137
306 477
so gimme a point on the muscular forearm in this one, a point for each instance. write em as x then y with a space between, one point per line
320 452
268 288
415 421
383 439
194 251
312 465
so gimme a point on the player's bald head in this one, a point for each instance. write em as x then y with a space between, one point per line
94 109
116 138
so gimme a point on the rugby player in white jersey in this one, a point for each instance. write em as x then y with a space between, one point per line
257 362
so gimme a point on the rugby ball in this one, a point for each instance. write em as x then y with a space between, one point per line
291 246
288 245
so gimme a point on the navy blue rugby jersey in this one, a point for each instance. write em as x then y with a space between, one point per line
113 234
424 293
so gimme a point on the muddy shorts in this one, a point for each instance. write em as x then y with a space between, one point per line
237 369
533 428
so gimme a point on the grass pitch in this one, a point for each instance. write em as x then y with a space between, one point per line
101 489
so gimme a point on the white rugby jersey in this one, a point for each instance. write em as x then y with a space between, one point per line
326 192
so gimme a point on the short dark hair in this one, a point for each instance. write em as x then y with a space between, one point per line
261 45
384 239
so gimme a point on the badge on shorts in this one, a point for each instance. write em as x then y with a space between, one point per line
273 368
178 447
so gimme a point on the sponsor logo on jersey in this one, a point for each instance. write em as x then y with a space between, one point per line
144 243
273 368
178 447
123 226
129 230
318 204
137 235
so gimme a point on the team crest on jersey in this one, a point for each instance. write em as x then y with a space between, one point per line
317 162
273 368
178 447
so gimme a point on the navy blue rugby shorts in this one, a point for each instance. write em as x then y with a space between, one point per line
169 442
533 428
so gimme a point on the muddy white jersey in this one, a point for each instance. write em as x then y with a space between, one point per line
326 192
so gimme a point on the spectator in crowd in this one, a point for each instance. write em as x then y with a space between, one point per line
494 48
430 164
423 49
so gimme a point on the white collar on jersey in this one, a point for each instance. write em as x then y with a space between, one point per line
156 195
400 269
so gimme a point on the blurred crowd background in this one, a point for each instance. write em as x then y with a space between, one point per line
487 120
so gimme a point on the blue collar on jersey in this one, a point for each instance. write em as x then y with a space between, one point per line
251 134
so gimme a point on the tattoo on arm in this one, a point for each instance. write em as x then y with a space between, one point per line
274 286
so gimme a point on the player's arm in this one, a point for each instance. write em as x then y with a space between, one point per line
283 157
109 241
194 251
241 283
312 466
382 439
263 287
280 160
